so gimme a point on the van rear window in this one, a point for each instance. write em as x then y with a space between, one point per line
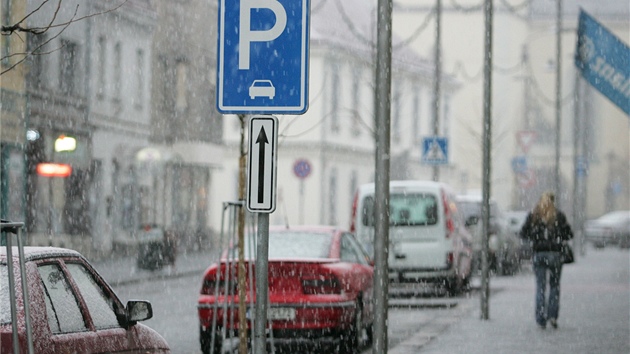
408 209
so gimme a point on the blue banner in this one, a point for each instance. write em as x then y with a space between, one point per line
604 61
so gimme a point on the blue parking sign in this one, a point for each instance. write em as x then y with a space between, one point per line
263 56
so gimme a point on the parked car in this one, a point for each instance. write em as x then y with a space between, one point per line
156 247
515 221
609 229
428 240
503 245
72 308
320 291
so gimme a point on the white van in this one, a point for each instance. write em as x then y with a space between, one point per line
427 238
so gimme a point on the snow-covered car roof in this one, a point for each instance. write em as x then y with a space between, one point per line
33 253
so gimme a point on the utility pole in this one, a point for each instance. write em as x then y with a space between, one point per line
438 75
558 96
487 139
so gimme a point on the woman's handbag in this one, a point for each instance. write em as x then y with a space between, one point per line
567 254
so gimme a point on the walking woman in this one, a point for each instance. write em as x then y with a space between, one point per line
547 228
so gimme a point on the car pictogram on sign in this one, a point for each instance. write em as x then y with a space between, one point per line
262 88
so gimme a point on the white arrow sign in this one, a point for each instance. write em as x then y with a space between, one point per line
261 186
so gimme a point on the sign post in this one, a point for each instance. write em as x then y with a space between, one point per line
302 169
262 68
261 198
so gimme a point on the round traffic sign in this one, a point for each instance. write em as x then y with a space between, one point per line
302 168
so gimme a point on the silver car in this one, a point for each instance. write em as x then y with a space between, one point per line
609 229
504 246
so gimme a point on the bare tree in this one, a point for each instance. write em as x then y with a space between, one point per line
19 28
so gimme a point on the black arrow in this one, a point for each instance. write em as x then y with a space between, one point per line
262 140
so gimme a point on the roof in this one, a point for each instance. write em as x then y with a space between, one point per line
305 228
33 253
406 184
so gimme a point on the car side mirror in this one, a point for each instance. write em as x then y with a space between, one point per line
138 310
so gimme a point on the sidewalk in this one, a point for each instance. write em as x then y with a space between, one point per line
594 314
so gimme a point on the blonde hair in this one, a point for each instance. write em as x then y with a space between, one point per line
545 210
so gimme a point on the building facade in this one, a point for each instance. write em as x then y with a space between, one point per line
524 101
12 113
88 83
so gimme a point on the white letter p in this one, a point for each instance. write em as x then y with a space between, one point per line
246 35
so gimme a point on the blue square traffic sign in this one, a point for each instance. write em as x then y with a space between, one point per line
263 56
435 150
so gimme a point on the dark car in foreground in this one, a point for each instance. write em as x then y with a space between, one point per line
609 229
320 292
72 308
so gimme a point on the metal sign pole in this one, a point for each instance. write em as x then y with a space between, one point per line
262 282
487 139
382 164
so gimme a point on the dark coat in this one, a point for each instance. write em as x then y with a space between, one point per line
550 241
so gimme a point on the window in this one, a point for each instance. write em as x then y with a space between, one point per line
100 305
405 210
292 244
102 59
6 40
117 70
332 194
69 65
354 181
334 98
36 47
5 309
62 308
356 94
396 107
363 258
139 78
348 252
181 91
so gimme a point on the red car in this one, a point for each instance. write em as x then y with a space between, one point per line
72 308
320 291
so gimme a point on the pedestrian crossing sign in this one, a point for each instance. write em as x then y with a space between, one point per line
435 150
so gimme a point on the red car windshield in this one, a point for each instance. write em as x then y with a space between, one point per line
293 245
5 305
